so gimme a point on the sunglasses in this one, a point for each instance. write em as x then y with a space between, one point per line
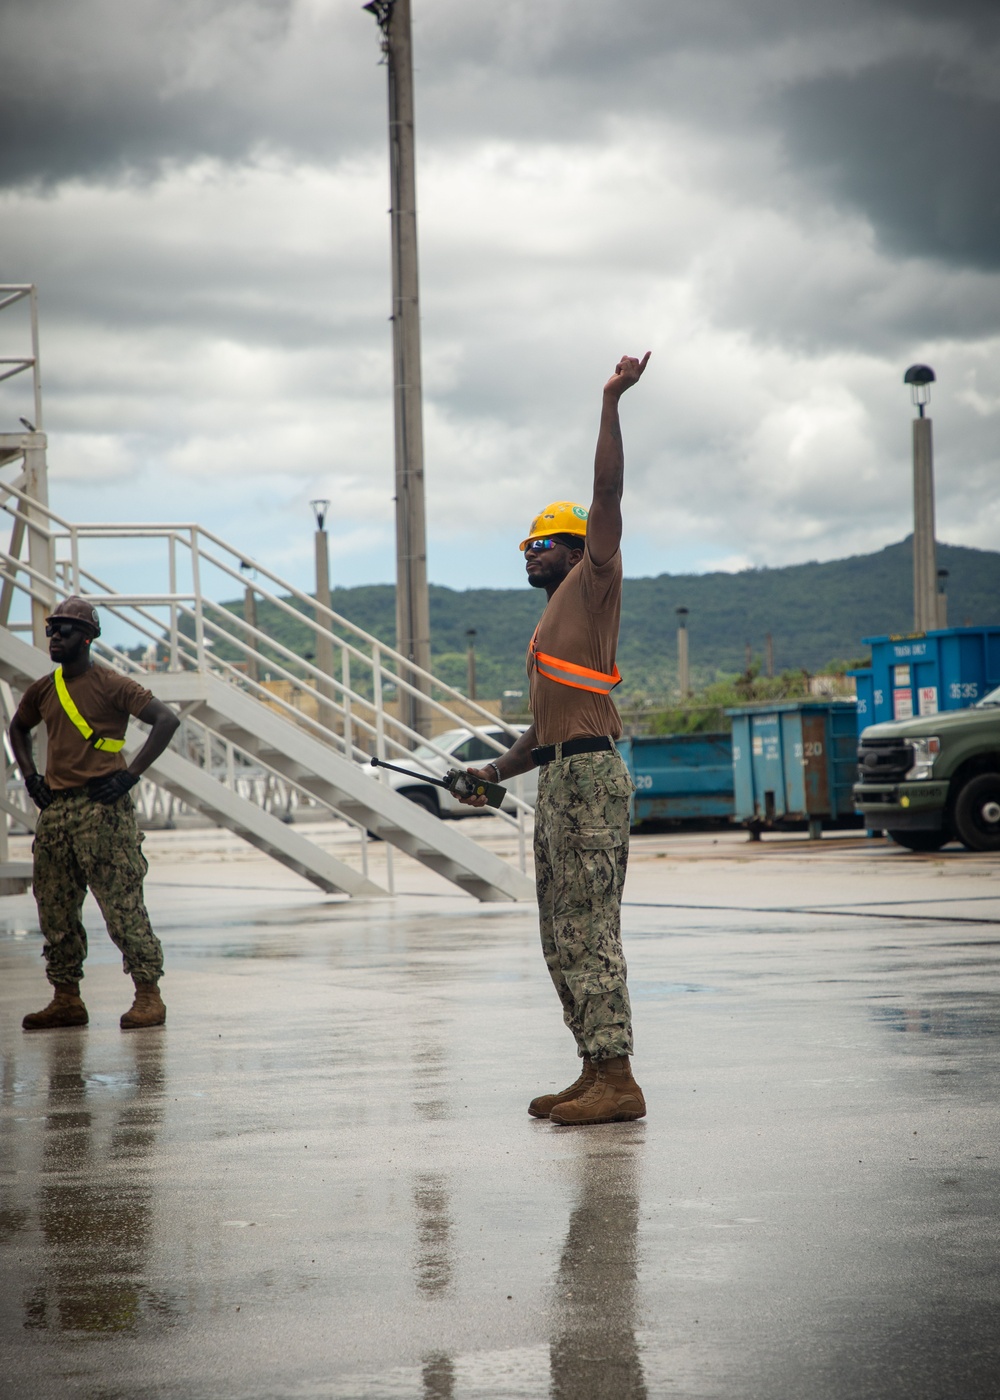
539 546
61 629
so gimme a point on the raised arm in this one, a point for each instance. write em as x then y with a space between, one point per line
604 528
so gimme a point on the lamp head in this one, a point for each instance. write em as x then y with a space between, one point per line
920 378
382 10
320 509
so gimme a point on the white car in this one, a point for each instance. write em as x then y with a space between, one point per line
465 750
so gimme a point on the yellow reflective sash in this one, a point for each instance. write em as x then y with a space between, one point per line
66 701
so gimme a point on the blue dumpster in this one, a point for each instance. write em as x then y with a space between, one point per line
864 685
932 671
794 761
680 777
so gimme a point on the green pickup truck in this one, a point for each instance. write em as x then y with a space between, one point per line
935 779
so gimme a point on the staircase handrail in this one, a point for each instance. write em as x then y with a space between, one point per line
186 648
185 533
320 731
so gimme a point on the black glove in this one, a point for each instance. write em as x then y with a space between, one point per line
38 790
109 789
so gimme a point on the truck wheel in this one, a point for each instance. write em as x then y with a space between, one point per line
977 813
919 840
423 797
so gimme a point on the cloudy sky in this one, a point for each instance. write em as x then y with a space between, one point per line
787 201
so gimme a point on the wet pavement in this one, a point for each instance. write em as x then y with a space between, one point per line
319 1179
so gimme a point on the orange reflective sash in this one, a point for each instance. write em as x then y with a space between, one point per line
568 673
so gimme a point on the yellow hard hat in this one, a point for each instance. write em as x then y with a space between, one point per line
560 518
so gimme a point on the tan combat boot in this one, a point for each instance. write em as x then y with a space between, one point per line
65 1009
613 1097
146 1010
544 1104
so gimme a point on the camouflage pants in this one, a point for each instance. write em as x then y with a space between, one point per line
79 843
581 851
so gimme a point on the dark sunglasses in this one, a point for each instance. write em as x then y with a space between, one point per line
539 546
61 629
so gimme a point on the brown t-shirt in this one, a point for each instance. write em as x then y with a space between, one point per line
579 624
105 699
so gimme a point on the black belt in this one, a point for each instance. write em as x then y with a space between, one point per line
546 753
67 792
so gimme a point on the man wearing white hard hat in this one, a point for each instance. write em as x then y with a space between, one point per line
584 787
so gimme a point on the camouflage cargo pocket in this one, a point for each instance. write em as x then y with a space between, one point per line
601 838
594 778
592 863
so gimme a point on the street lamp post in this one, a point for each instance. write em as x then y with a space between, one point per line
925 601
470 663
413 627
942 598
324 637
250 617
683 677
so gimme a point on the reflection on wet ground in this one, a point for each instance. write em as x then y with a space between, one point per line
319 1181
93 1199
429 1078
438 1376
981 1019
433 1266
594 1350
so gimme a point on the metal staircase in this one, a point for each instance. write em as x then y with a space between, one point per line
274 713
343 787
20 664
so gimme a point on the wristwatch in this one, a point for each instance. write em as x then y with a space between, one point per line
496 770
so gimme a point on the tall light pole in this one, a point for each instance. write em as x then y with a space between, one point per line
250 617
413 625
324 637
942 598
925 603
683 678
470 663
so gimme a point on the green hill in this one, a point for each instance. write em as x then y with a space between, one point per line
813 612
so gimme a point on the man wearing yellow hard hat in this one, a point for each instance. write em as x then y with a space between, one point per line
581 816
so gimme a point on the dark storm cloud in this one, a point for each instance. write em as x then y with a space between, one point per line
914 148
199 188
887 107
891 107
102 90
980 17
